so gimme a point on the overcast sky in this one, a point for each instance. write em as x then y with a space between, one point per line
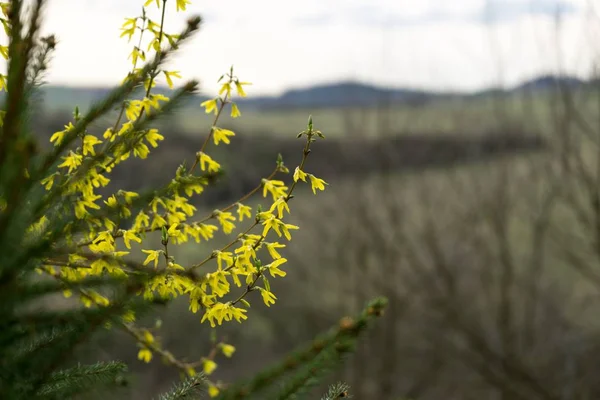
282 44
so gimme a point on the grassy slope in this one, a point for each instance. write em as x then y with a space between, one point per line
449 192
466 115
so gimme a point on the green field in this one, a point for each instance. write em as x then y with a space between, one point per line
468 229
461 115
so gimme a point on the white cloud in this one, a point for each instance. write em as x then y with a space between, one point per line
281 44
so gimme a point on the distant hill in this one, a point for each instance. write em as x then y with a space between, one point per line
343 94
550 82
539 84
337 95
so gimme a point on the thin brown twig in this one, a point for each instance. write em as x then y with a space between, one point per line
224 101
289 196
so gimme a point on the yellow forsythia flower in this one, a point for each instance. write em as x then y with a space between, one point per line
243 211
222 135
152 256
213 391
210 106
208 366
280 204
274 267
72 161
227 349
272 249
226 87
128 27
181 4
316 183
299 174
240 89
277 188
148 337
59 136
235 111
169 77
145 355
225 219
153 136
206 162
128 236
268 297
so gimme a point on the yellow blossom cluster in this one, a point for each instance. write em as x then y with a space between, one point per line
218 285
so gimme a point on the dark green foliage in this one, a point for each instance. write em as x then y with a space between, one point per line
338 391
307 366
191 388
73 381
310 375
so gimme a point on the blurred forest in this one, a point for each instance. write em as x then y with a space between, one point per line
478 218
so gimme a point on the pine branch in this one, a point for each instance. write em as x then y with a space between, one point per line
26 375
15 147
312 374
41 339
17 66
73 381
348 329
191 388
35 290
337 391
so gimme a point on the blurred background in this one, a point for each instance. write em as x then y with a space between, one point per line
463 159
